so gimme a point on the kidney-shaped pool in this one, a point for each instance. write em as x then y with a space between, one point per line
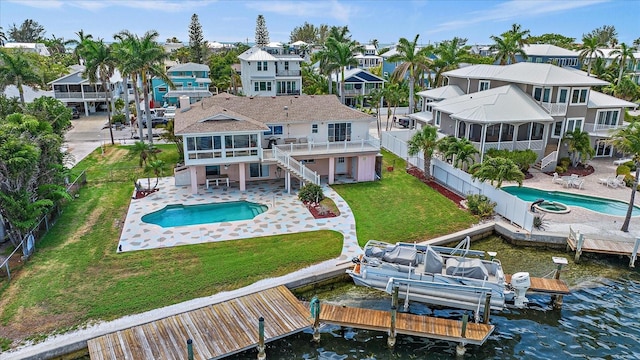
181 215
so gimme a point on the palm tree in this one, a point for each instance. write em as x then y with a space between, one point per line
100 65
16 69
340 55
375 98
412 60
3 37
506 49
450 54
579 146
590 50
622 53
77 51
144 151
497 169
169 136
465 153
156 167
521 37
325 66
424 141
627 140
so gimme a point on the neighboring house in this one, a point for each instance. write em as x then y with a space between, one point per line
482 50
77 91
170 47
632 67
29 93
310 137
267 74
523 106
551 54
369 57
358 84
38 48
189 79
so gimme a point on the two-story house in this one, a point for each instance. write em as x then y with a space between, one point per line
243 139
523 106
545 53
369 57
270 74
77 91
358 84
631 68
189 79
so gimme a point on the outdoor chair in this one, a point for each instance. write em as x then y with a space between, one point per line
616 182
557 179
578 184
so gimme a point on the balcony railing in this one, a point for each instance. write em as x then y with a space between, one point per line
509 145
290 92
603 129
556 109
288 73
357 91
78 95
329 147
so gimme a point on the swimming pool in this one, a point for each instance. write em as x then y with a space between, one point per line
181 215
601 205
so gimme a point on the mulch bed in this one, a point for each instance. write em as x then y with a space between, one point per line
143 193
579 170
317 211
419 174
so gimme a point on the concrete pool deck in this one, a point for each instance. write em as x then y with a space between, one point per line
285 215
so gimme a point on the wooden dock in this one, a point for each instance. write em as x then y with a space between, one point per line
545 286
408 324
579 243
216 331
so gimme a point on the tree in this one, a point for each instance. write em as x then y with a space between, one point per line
340 33
306 32
340 55
143 150
450 54
28 32
100 65
622 53
78 49
518 35
461 151
579 146
590 50
181 55
197 44
17 70
424 141
169 136
506 48
627 141
375 100
313 83
55 45
626 89
262 34
411 61
155 167
173 40
3 37
606 34
553 39
497 169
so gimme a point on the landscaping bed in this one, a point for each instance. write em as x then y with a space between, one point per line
419 174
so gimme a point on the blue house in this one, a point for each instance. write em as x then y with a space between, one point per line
189 79
550 54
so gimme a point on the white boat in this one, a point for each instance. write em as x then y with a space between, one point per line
449 277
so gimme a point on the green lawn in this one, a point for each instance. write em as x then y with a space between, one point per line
76 275
401 208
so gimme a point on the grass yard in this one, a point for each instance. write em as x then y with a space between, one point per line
76 276
401 208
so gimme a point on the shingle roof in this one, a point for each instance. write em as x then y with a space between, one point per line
502 104
527 73
254 113
189 67
443 92
600 100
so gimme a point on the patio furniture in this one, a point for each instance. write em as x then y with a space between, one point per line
578 184
557 179
567 181
217 179
619 181
622 161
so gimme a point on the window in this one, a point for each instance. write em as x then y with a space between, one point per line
314 128
563 96
574 124
308 161
162 89
339 132
274 130
542 94
286 65
579 96
212 170
438 118
483 85
257 170
507 132
557 130
262 66
262 86
608 117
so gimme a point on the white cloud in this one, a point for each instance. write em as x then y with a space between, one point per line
52 4
332 9
514 10
94 5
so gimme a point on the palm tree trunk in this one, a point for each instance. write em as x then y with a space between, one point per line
147 110
412 81
20 91
621 71
427 166
342 86
627 218
107 93
136 98
125 83
330 83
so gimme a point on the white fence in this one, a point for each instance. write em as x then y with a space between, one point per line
508 206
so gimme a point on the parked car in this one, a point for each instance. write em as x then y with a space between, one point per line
75 114
155 122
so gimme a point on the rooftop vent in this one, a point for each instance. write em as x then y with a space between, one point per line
286 108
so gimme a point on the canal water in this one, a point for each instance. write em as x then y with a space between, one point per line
599 320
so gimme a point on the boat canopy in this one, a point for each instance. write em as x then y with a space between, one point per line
466 267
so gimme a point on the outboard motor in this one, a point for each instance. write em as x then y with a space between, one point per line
521 282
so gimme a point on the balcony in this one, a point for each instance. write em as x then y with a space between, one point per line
325 148
355 92
535 145
555 109
79 95
603 129
289 92
288 73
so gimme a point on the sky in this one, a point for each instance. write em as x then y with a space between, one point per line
386 21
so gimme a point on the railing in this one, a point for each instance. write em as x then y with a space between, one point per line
519 145
604 128
292 164
290 92
191 88
79 95
555 109
330 147
548 159
358 92
288 73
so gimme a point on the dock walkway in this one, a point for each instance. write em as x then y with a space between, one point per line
579 243
545 285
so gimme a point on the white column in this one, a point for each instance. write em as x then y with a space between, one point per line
287 182
332 170
242 177
193 170
483 139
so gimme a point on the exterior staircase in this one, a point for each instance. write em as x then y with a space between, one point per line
295 167
550 158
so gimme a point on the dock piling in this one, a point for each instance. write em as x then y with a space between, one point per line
394 296
579 246
634 253
391 341
189 349
315 311
261 354
556 300
487 308
465 320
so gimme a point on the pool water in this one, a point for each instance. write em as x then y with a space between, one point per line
182 215
601 205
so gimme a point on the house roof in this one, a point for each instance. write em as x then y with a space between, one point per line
76 78
253 113
547 50
191 93
256 54
29 93
600 100
356 75
298 43
607 53
527 73
502 104
443 92
189 67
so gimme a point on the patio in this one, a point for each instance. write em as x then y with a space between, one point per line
286 215
590 223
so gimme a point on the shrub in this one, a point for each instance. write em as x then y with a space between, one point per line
118 118
631 165
523 158
623 170
564 162
480 205
561 169
311 193
539 222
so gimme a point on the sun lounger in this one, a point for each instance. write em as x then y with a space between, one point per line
622 161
